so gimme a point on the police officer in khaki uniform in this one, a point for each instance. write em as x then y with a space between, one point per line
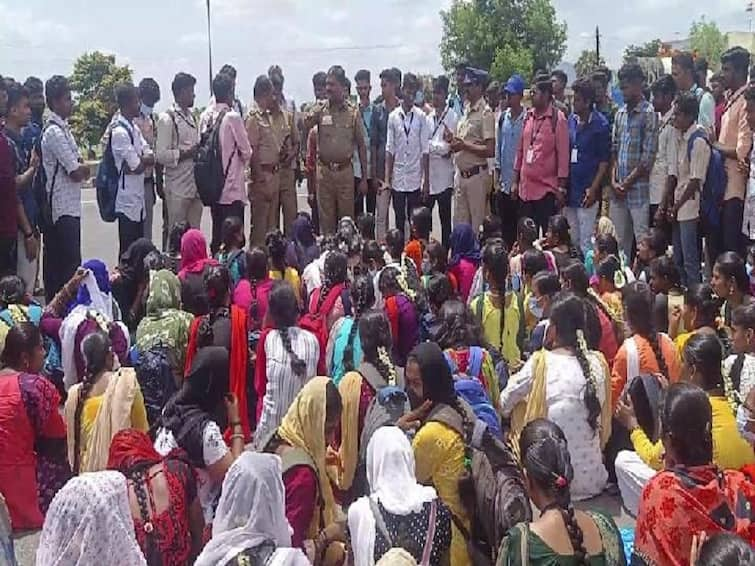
473 145
339 131
265 137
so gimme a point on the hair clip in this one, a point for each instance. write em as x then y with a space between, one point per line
561 482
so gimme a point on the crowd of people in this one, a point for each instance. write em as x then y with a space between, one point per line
340 391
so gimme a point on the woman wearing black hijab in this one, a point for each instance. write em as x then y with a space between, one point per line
193 418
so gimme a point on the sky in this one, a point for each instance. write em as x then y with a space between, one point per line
161 37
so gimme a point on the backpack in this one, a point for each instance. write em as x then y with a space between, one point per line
316 322
386 408
714 187
155 377
500 497
209 172
42 199
109 177
382 528
470 388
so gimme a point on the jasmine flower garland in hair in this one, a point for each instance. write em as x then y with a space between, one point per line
385 359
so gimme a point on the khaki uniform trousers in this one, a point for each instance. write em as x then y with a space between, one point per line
284 199
181 209
264 197
335 196
470 199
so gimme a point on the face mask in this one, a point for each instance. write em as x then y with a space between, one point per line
419 98
748 268
427 268
535 308
516 283
146 110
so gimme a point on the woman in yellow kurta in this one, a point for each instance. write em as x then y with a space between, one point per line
438 449
699 314
106 401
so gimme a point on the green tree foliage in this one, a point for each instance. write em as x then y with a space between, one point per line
707 40
93 81
504 36
648 49
586 63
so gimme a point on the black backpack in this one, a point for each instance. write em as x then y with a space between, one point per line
42 199
155 377
209 171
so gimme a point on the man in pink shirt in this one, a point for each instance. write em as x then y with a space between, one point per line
236 153
541 168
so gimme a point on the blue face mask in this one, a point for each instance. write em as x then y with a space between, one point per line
427 268
516 283
535 308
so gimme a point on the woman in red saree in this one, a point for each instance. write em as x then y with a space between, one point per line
163 498
691 495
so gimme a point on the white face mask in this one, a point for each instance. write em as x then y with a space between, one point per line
146 110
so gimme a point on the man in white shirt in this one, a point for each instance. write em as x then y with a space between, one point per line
132 156
406 150
441 123
664 92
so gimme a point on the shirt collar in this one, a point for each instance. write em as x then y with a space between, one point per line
519 118
55 117
691 130
477 106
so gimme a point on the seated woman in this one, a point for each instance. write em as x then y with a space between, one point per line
527 234
108 400
465 257
605 244
603 333
194 265
130 281
33 463
731 284
162 495
412 516
231 252
89 520
724 548
286 359
165 326
276 246
533 262
250 523
15 306
344 352
646 351
252 292
358 389
560 535
435 262
225 325
301 441
401 310
610 282
701 366
192 420
666 284
651 246
739 368
545 286
460 337
571 387
172 257
496 309
558 242
421 225
691 495
438 291
302 249
699 315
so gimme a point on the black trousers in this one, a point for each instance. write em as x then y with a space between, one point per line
128 233
444 201
539 210
728 237
61 255
8 255
219 213
403 205
360 200
507 209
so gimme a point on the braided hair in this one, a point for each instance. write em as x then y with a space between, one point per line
284 311
545 456
217 282
638 304
687 422
256 271
12 291
375 336
567 316
363 295
233 234
335 272
459 327
576 280
97 350
276 248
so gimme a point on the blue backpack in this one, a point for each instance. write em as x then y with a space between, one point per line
469 388
714 187
109 178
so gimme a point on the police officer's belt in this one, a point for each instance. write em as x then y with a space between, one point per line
335 165
473 171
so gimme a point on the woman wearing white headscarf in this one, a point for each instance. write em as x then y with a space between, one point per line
399 512
250 520
88 520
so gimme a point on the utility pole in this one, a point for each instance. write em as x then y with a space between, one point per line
597 46
209 44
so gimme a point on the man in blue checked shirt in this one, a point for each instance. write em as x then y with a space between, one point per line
590 154
635 142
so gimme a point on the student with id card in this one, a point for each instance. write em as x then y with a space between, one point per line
590 154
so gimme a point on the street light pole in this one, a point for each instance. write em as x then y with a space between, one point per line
209 44
597 45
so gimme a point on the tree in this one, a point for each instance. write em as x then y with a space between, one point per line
504 36
707 40
648 49
587 63
93 82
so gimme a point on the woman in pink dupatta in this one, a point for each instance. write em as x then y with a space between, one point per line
194 261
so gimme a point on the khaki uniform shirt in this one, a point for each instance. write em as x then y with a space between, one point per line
339 131
266 132
476 125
